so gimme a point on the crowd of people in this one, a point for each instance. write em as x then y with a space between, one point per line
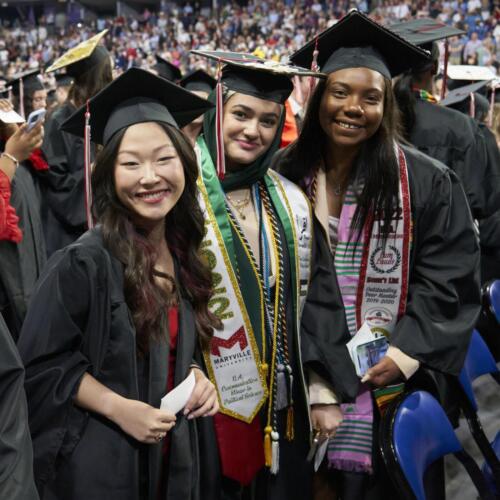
271 29
299 238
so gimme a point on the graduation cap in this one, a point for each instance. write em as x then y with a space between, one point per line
198 80
81 58
167 70
424 31
252 75
356 41
470 73
468 95
136 96
26 83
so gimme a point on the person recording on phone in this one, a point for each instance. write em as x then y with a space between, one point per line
22 251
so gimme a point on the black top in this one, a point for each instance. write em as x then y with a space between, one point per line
167 70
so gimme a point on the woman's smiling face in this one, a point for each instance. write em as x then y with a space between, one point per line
352 106
149 175
250 125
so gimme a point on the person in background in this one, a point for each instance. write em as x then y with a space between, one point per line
198 82
22 256
64 216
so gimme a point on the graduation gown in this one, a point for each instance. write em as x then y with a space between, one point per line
64 183
16 454
321 342
21 263
444 297
455 140
78 322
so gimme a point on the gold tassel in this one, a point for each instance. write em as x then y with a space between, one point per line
290 432
268 454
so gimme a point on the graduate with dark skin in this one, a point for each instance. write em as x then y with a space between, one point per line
399 229
115 321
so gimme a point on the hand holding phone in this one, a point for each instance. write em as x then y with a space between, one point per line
34 118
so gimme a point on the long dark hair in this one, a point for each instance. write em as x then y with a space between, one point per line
403 89
184 230
89 83
376 163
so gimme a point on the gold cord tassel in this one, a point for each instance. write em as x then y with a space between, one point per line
290 432
268 454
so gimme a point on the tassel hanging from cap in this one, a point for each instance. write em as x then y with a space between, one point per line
445 69
219 136
472 105
275 453
88 170
21 98
267 446
314 67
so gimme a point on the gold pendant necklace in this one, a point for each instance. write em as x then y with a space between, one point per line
239 205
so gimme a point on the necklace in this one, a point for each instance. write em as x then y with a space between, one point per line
338 189
239 205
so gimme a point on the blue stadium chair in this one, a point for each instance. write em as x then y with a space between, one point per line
478 362
414 433
493 296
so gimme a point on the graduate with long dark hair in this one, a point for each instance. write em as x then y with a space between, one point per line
398 226
116 317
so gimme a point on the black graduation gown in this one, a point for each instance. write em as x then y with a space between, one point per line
21 264
78 322
16 454
323 335
455 140
444 297
64 183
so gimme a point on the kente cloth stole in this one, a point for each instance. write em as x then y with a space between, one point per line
423 95
236 360
373 281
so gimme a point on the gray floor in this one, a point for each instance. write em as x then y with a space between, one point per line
458 486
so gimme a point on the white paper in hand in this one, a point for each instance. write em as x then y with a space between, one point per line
10 117
363 335
177 398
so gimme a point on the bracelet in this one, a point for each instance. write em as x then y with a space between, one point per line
10 157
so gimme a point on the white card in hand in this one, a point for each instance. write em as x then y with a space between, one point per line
177 398
10 117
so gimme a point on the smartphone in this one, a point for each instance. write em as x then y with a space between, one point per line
34 118
371 353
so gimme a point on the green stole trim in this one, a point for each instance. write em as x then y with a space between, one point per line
242 267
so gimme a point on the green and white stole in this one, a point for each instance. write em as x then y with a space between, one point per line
373 281
236 360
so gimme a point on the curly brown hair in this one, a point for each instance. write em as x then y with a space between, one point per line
184 230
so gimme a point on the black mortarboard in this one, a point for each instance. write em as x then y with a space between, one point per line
424 31
198 80
358 42
81 58
136 96
64 80
31 82
463 93
251 75
167 70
